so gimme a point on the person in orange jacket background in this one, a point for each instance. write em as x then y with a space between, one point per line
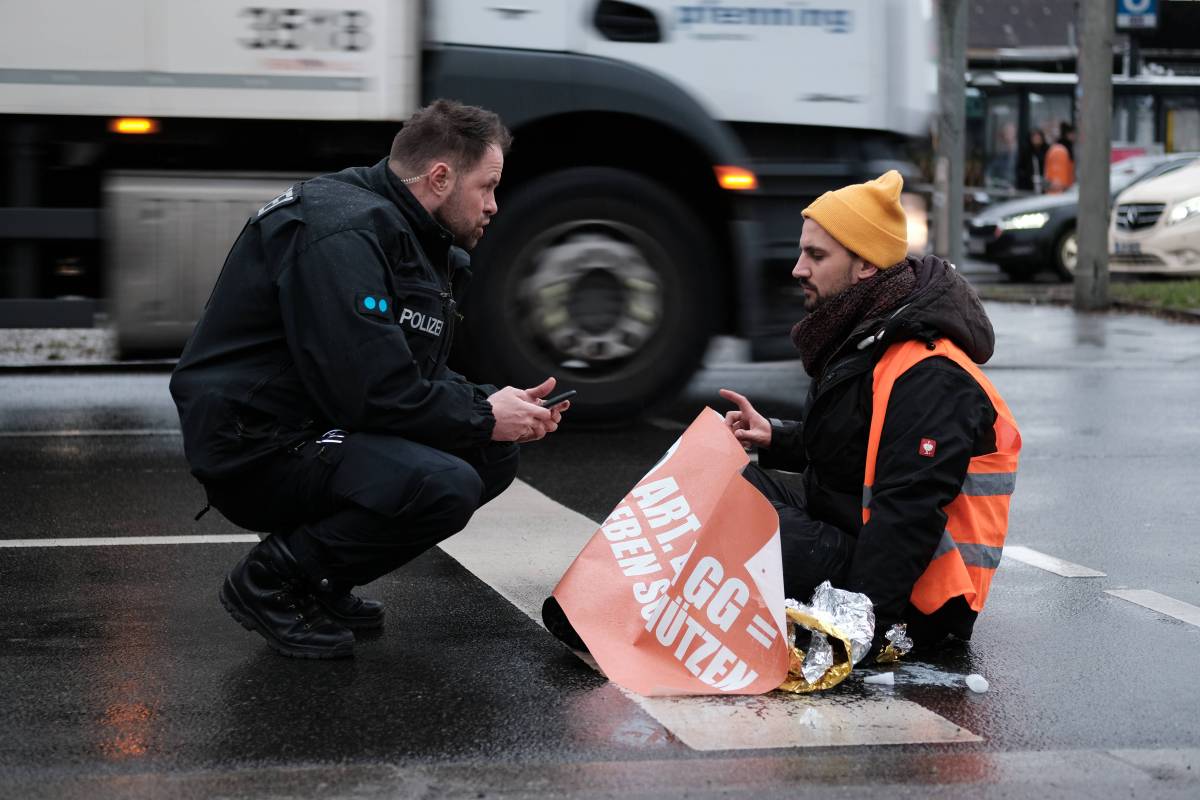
1060 162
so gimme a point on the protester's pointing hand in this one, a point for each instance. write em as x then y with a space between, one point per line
751 428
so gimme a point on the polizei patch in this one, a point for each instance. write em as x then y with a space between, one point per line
421 322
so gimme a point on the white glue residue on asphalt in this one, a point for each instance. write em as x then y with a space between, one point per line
918 674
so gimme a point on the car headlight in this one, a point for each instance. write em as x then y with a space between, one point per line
1185 210
1024 222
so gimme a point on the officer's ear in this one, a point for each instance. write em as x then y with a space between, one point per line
441 178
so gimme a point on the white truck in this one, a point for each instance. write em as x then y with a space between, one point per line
663 150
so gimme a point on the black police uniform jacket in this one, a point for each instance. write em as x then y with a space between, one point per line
334 309
937 400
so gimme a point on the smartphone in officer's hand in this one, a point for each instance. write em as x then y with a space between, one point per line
551 402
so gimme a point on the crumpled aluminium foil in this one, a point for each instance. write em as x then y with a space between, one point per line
818 658
851 613
843 622
898 644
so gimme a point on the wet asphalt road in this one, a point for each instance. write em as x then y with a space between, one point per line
123 677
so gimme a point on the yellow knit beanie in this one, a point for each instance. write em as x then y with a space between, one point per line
866 218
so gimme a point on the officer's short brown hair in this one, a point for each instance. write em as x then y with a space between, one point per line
446 130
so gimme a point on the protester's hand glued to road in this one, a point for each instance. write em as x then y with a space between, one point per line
751 428
520 416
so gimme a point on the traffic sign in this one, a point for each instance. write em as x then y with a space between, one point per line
1137 14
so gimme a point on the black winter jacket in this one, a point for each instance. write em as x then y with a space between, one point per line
936 399
334 309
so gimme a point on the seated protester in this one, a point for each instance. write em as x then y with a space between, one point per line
908 452
314 395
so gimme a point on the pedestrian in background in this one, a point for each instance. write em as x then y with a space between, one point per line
1032 162
1060 161
908 452
314 395
1002 171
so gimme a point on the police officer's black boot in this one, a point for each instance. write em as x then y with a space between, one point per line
350 610
268 593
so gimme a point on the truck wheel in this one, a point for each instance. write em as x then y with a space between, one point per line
1066 254
598 277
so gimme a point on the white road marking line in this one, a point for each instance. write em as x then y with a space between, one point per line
522 542
664 424
74 433
776 720
1184 612
1049 563
110 541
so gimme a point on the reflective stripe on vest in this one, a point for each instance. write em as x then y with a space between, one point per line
977 519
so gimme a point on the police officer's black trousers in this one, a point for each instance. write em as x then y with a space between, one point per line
353 511
813 551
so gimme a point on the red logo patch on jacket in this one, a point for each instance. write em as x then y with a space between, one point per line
928 448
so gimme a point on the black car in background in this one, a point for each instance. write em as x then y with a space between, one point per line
1031 234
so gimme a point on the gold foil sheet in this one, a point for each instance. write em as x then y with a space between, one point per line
796 682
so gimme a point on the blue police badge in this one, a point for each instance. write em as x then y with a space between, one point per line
374 305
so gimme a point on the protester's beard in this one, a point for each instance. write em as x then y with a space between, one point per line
465 227
818 298
811 301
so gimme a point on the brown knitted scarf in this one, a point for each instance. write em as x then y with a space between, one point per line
820 333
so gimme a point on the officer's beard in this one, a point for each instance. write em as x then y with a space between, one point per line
463 226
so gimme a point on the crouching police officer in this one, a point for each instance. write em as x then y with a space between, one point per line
314 394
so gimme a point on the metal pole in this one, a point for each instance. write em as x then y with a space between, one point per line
952 119
1093 150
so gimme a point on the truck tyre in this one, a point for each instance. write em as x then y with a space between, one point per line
598 277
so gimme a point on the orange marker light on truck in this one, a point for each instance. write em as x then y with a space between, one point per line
133 125
736 179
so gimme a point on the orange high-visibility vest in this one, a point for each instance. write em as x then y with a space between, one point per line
977 519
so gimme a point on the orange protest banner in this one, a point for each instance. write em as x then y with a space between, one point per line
680 591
